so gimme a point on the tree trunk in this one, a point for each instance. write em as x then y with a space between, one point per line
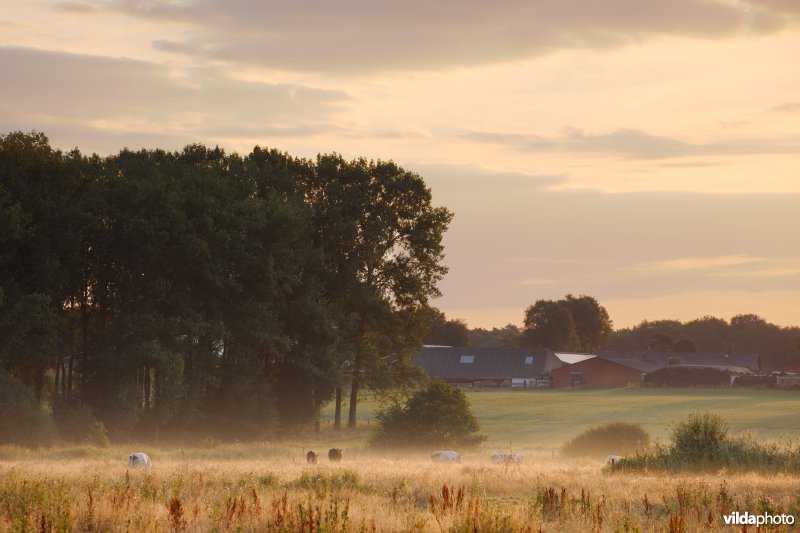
337 417
351 418
56 383
157 407
146 388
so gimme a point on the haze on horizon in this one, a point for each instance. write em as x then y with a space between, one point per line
646 154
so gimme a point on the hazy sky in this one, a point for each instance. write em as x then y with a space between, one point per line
645 153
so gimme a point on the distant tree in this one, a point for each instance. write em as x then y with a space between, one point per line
710 334
661 342
592 324
509 336
438 415
549 324
446 332
684 345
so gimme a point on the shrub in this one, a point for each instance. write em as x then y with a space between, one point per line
22 419
700 436
75 423
437 415
610 438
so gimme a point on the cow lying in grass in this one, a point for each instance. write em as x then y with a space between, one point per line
445 456
506 458
140 460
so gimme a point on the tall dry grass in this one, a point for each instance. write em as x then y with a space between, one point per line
277 491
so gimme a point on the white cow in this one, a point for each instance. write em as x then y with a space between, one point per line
445 456
140 460
506 458
613 459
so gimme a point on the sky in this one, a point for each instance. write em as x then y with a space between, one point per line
643 153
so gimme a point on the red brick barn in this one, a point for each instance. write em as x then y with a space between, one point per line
597 373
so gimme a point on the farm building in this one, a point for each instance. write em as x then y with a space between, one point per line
511 367
600 372
664 359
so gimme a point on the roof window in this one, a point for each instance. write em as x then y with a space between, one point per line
529 360
467 359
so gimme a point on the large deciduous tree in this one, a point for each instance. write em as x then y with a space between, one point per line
207 292
550 324
381 239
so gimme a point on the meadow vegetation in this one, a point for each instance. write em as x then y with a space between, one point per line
620 437
268 486
277 491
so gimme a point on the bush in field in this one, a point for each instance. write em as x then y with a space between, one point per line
611 438
700 436
75 423
437 415
22 419
702 442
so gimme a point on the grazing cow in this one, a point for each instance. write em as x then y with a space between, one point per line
506 458
140 460
335 455
311 458
445 456
613 459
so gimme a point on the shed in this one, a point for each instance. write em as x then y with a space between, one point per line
664 359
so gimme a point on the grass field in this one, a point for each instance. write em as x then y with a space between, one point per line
267 486
541 420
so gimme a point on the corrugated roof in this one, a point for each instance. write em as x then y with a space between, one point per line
638 364
487 363
662 359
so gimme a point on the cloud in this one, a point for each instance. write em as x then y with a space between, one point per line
791 107
633 144
701 263
364 35
53 91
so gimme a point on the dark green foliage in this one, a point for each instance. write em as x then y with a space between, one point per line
613 438
571 324
743 333
199 292
700 436
701 442
446 332
549 324
22 419
76 423
436 416
508 336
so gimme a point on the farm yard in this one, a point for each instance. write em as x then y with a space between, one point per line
269 485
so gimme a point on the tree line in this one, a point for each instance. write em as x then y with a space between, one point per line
581 324
200 292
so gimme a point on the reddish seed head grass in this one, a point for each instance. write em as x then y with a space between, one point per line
366 492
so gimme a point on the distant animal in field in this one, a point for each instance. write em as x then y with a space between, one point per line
311 458
506 458
140 460
613 459
445 456
335 455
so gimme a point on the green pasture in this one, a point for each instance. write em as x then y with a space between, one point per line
541 420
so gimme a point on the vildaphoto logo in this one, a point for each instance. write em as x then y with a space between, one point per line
747 519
